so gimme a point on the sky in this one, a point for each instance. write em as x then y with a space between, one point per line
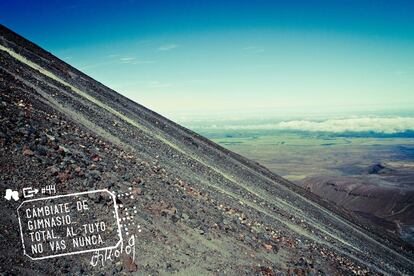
185 59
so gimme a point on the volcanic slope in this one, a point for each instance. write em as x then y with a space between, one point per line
201 209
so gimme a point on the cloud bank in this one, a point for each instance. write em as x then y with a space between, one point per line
383 125
387 125
167 47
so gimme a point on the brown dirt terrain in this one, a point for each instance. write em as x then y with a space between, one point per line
384 195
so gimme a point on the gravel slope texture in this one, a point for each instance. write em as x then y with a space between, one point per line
201 209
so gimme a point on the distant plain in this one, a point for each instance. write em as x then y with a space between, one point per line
297 155
370 173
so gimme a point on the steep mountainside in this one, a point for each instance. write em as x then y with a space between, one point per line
197 208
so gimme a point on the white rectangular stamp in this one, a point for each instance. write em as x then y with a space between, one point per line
69 224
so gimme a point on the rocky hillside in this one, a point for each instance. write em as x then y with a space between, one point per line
190 206
383 193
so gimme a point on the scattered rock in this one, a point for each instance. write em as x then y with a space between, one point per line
63 150
94 175
184 216
27 152
268 247
63 176
95 158
128 263
53 170
172 211
136 191
96 197
41 150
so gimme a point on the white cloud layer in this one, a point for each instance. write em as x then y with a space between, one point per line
167 47
361 124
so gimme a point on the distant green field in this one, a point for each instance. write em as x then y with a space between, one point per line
296 155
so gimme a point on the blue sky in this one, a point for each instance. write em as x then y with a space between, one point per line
186 58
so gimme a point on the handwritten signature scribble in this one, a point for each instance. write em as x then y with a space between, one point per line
108 255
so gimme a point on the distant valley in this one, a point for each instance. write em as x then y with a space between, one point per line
371 173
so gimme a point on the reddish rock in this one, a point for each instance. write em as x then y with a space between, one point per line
63 176
27 152
128 263
268 247
136 191
95 158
